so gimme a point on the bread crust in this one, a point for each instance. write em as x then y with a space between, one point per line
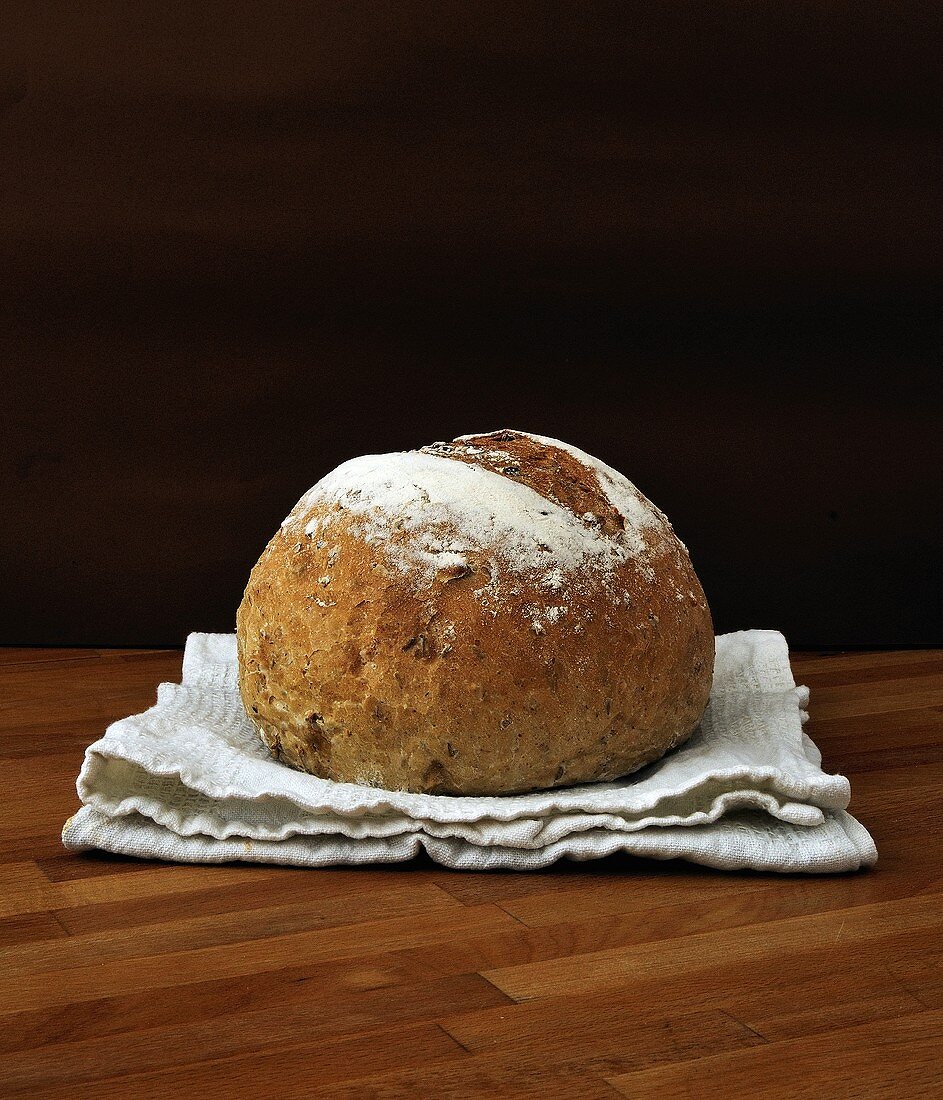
477 673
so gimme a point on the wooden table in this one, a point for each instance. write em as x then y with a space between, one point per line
622 977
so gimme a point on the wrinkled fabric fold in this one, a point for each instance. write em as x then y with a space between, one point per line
190 780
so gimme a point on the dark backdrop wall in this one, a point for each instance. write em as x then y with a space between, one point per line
240 243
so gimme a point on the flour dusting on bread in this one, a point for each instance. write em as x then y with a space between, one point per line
429 510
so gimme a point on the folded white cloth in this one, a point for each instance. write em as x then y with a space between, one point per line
190 780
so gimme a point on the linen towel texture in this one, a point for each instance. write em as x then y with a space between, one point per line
190 780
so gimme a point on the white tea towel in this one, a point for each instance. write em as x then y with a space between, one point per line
190 780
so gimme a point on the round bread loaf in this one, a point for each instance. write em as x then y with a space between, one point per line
487 616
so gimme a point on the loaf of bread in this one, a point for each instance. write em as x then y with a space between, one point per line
492 615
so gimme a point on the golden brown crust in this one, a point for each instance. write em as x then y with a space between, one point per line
358 671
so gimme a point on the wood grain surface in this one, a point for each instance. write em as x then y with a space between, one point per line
121 977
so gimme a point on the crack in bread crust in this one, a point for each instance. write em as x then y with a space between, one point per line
556 475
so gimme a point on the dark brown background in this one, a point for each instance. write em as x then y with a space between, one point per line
240 243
